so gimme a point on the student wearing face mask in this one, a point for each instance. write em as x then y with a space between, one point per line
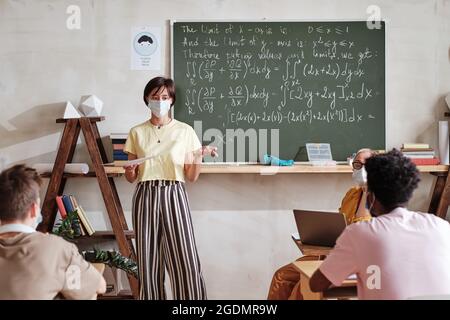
161 213
398 254
35 265
285 283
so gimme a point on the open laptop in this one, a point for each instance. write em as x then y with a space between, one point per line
319 228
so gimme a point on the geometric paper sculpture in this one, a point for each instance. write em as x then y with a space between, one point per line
90 105
70 111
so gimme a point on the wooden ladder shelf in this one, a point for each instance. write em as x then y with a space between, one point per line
106 182
440 199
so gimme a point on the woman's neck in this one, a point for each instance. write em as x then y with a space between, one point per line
160 121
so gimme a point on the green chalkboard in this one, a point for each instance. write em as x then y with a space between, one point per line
257 87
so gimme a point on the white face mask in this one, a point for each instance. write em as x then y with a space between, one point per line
159 108
360 176
38 219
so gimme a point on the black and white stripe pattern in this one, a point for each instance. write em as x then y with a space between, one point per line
165 239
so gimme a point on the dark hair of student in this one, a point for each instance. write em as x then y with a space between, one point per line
19 189
392 178
160 83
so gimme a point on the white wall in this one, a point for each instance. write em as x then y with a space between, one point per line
243 222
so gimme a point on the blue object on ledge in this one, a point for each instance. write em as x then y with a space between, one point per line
275 161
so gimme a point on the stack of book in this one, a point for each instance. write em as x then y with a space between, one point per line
420 153
68 203
118 142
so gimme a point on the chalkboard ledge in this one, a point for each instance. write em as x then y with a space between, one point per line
439 170
303 168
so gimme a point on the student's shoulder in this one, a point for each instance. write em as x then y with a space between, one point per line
433 219
53 243
361 226
51 238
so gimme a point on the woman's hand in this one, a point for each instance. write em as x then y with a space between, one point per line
131 172
209 151
197 156
131 168
194 159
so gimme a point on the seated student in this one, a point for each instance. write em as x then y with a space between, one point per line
35 265
286 280
398 254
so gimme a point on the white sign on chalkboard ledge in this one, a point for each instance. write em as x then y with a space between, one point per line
319 154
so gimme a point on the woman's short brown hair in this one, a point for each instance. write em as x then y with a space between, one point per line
158 83
19 189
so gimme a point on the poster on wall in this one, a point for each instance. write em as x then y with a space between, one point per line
146 48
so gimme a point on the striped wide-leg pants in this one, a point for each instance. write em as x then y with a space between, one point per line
165 239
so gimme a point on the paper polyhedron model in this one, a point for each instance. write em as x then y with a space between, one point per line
91 105
70 111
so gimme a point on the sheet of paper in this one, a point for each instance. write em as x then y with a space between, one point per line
136 161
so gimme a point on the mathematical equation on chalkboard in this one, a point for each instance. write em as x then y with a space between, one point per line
311 81
247 61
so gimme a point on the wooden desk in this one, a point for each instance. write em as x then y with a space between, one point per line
308 250
307 269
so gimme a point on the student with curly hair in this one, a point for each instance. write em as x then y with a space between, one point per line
399 253
285 284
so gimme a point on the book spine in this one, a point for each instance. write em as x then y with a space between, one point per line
67 203
415 146
119 146
61 208
426 162
421 156
416 149
73 202
82 228
77 209
428 153
120 157
84 223
119 153
118 136
118 141
90 230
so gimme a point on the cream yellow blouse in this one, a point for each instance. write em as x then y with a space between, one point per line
169 144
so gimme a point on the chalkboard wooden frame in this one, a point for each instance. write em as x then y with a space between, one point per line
265 20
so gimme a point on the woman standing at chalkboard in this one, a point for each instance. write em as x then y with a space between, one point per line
161 214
